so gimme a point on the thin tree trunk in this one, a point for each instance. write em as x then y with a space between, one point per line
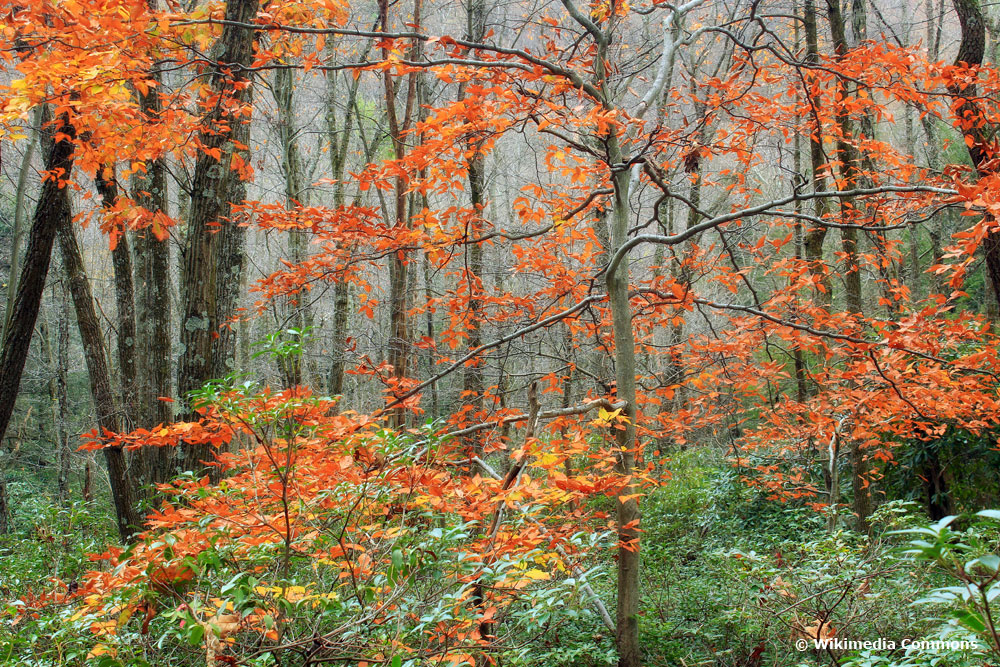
617 281
399 329
429 323
339 142
814 238
121 262
296 369
57 356
108 414
472 381
62 395
4 505
20 197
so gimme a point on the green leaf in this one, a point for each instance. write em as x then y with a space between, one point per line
196 634
990 561
969 619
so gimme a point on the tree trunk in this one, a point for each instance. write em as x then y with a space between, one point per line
212 266
472 381
296 369
399 329
4 507
19 202
121 262
62 396
152 289
617 281
970 52
853 177
57 356
108 415
339 143
814 238
51 211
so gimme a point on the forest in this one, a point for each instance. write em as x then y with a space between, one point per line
417 333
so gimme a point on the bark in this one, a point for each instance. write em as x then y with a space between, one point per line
152 290
121 261
62 397
832 478
814 238
970 52
57 356
19 202
627 620
4 505
51 211
472 381
429 323
88 481
853 176
212 266
294 368
339 141
937 492
399 328
123 492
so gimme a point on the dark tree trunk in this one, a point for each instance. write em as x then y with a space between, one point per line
121 262
108 415
970 52
4 508
51 211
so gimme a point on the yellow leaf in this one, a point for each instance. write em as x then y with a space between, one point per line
102 649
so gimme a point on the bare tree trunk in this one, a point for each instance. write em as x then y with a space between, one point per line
152 289
624 355
933 143
399 329
296 369
62 396
57 356
108 414
212 266
19 203
121 261
472 381
853 177
970 52
51 211
339 141
813 243
88 481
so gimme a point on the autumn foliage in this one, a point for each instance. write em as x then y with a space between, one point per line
413 534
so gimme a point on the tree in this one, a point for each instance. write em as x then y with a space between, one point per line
213 257
772 347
